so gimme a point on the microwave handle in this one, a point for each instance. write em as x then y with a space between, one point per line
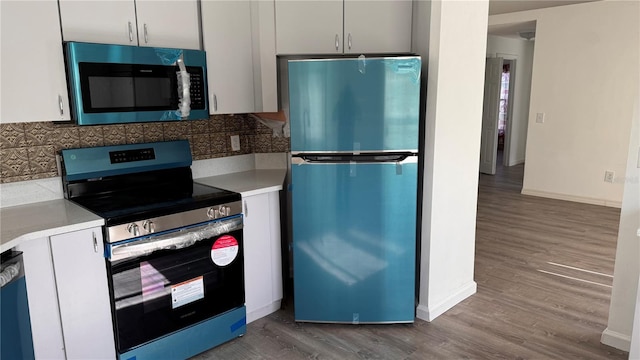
184 91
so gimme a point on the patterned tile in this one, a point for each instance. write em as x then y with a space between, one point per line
280 144
217 123
45 175
65 137
262 143
201 145
6 180
15 162
248 122
218 143
114 134
246 144
233 123
176 130
91 136
134 133
199 126
153 132
39 133
27 150
42 159
12 136
262 128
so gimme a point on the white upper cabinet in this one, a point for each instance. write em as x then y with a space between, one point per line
377 26
226 34
108 22
33 78
308 27
349 26
170 23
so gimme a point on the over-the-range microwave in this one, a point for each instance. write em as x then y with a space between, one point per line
112 84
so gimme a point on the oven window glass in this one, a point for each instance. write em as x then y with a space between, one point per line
167 290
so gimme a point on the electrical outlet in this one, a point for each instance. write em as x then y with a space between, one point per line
235 142
609 175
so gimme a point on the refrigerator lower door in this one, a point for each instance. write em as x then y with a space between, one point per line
354 241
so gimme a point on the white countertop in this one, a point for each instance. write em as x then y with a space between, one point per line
247 183
42 219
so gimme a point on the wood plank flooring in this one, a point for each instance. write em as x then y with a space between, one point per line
543 269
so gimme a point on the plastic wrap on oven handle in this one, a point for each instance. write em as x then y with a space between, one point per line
175 240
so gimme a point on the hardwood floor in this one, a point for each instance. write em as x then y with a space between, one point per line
543 269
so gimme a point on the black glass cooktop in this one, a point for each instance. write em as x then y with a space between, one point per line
134 197
121 207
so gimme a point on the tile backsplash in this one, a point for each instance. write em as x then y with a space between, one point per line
27 150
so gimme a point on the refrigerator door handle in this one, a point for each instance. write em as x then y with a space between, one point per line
345 159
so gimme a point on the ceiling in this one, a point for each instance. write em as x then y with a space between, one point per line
507 6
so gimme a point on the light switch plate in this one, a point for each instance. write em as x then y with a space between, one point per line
540 118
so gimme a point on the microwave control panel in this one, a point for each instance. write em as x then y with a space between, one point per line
197 87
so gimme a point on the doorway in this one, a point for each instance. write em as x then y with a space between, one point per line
505 111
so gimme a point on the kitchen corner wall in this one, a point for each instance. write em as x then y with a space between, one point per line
27 150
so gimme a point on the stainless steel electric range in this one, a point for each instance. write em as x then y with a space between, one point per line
173 247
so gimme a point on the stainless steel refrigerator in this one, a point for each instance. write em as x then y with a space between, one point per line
354 175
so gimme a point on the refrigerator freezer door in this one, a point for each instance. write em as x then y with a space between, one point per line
354 104
354 242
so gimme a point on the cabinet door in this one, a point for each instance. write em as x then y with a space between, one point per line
83 294
226 34
33 86
309 27
172 24
257 255
377 26
46 329
105 22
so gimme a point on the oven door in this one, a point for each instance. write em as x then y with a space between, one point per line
169 281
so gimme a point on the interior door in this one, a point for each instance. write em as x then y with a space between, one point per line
489 139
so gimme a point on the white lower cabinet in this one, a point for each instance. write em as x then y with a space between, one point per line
69 296
262 255
83 294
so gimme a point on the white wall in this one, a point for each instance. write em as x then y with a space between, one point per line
456 50
624 294
522 52
584 70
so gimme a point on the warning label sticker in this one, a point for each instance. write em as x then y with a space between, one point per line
224 250
187 292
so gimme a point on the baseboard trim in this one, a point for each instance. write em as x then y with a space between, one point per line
427 313
516 162
615 339
256 314
580 199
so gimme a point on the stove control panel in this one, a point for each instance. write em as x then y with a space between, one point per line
146 227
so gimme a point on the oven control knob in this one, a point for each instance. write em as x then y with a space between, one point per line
211 213
133 229
149 226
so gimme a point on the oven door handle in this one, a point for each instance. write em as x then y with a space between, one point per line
172 241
